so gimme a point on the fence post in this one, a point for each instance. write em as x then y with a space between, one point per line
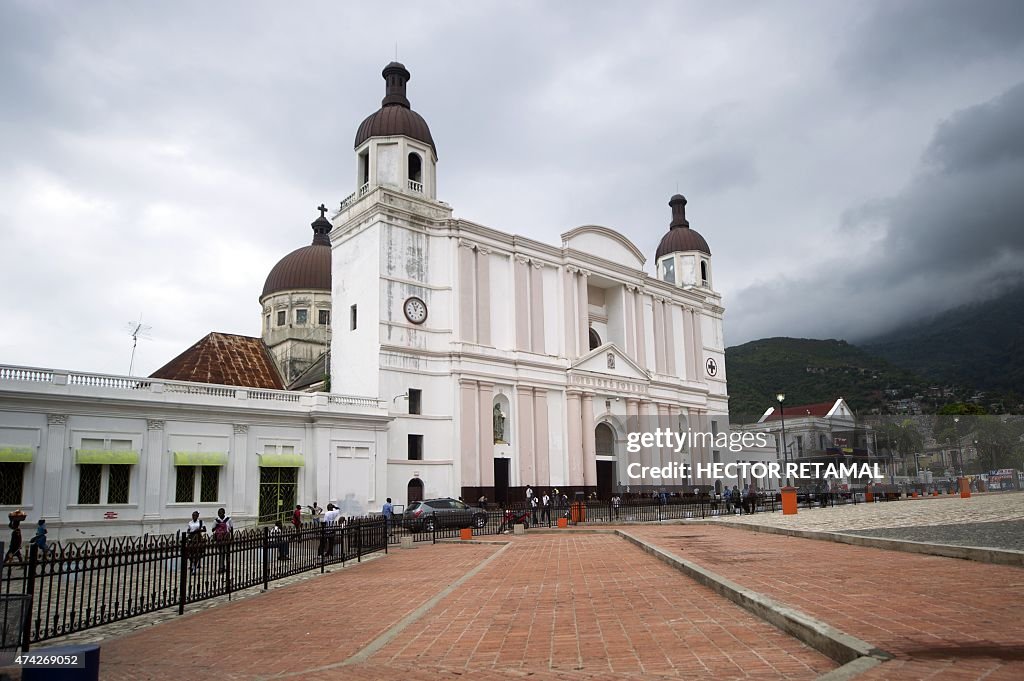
323 547
386 522
659 509
30 590
359 541
433 527
266 557
183 580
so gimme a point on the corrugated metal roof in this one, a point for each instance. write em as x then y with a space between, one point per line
225 359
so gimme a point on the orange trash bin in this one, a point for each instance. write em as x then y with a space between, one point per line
789 501
965 488
466 533
563 522
869 494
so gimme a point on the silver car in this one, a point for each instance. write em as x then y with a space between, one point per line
426 515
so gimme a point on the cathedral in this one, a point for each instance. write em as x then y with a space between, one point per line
467 362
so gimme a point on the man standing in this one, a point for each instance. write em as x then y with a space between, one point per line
194 543
529 495
545 508
534 502
329 528
616 502
297 518
387 512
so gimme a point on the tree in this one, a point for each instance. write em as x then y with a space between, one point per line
902 438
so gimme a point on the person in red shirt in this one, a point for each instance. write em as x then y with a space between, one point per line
297 518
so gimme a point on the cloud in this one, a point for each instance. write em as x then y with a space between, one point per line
952 236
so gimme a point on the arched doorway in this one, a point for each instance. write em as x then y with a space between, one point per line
604 441
595 339
415 491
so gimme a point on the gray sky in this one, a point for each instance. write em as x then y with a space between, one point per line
852 165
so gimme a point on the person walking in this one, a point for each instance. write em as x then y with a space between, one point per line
14 550
297 518
222 531
737 500
529 496
277 539
40 538
194 542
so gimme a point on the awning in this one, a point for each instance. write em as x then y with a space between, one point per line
10 454
282 460
200 458
106 456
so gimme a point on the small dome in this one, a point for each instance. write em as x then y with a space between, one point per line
307 268
680 237
395 117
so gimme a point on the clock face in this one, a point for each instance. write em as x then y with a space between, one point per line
415 310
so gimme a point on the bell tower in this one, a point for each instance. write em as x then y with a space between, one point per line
393 145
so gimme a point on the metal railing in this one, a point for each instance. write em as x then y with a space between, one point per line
73 587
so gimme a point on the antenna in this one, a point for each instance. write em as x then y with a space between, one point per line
137 330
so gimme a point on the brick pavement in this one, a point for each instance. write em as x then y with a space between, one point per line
941 617
562 607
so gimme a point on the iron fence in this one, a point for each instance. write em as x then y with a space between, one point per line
76 586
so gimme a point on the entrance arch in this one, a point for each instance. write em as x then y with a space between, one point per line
415 491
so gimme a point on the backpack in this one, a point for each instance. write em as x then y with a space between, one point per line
220 530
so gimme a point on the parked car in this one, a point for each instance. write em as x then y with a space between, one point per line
426 515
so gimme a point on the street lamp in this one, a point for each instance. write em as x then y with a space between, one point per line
960 451
781 397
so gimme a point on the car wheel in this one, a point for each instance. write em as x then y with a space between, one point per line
428 526
480 521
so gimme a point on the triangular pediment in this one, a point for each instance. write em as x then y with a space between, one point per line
609 360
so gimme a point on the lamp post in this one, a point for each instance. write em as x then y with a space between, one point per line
781 397
959 449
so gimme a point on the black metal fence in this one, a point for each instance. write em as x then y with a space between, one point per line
77 586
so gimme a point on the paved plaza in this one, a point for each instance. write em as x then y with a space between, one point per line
989 520
589 604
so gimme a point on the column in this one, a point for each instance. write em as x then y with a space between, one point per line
583 310
687 344
153 458
659 337
483 296
541 449
521 266
632 426
239 463
575 437
467 292
670 339
666 453
628 309
640 329
571 336
698 351
53 465
524 444
468 442
649 422
589 444
486 396
536 308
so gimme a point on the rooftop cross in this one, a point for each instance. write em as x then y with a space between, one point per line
323 209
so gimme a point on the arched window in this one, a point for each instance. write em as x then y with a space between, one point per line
415 172
704 272
595 340
604 440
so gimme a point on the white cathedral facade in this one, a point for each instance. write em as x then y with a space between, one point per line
465 362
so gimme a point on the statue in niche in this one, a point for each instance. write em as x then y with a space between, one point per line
611 361
499 425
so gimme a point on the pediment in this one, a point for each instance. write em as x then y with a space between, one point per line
609 360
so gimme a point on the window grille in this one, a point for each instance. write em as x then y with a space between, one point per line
208 483
89 483
12 475
117 490
185 488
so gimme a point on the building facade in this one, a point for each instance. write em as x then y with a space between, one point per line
510 362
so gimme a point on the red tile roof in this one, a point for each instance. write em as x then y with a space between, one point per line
225 359
819 409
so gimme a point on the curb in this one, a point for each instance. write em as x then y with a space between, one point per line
852 653
979 554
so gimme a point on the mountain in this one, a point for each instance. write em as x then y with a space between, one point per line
979 345
809 371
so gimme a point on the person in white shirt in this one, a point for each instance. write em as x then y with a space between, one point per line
330 521
545 508
529 494
277 539
194 546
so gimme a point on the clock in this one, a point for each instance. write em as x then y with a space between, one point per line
415 310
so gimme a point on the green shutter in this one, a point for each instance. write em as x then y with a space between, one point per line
281 460
106 456
9 454
200 458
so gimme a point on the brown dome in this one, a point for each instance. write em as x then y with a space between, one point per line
680 237
307 268
395 117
